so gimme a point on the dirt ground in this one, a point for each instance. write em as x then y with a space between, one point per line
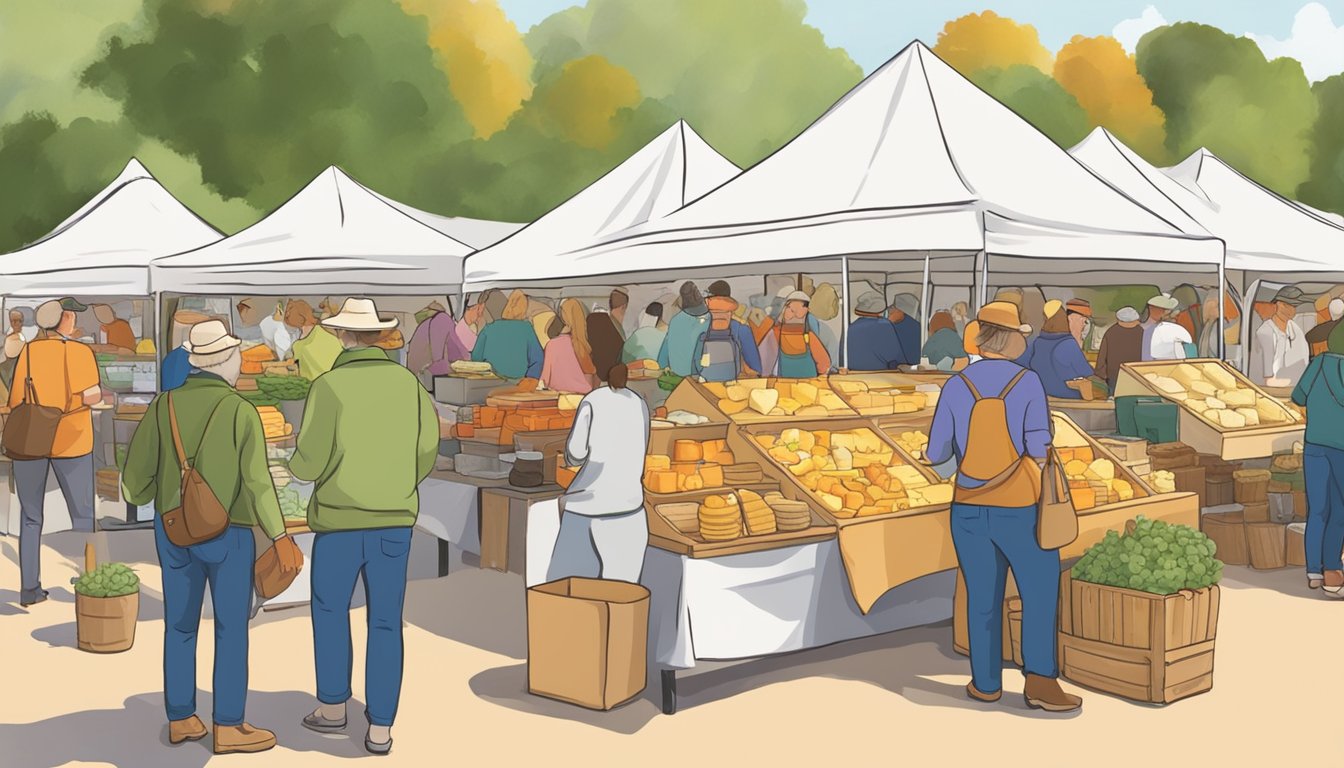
884 700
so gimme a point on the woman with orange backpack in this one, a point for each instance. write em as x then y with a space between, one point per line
993 420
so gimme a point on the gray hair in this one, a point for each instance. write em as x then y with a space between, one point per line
994 339
1336 308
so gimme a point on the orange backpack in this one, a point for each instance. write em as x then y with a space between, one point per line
1010 479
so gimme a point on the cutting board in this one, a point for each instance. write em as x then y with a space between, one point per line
524 400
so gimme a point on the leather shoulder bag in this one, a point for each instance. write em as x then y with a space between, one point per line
199 516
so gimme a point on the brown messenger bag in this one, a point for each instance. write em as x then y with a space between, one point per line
30 429
199 517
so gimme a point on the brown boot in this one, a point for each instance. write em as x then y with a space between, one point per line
186 729
978 695
242 738
1045 693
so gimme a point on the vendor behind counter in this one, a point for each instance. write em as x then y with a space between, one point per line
510 344
1056 356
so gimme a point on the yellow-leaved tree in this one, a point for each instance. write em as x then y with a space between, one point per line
1105 80
981 41
582 101
489 68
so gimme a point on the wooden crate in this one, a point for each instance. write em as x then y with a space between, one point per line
107 484
697 397
1268 543
1205 436
1228 532
1295 551
1069 435
1137 645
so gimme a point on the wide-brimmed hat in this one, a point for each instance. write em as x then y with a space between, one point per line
1164 301
1002 314
207 342
870 303
359 315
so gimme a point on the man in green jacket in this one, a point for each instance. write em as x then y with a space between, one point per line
222 437
370 434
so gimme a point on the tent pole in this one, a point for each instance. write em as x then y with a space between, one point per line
1222 302
984 278
844 308
924 305
1247 312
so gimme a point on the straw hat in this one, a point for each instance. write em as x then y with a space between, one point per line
1164 301
359 315
208 342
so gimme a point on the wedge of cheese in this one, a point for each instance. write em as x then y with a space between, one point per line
1219 376
1187 375
738 393
763 401
1214 404
805 393
1231 419
732 407
1251 415
1238 398
1270 411
1204 388
789 405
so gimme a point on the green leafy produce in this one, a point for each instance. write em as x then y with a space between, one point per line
260 399
283 387
669 381
108 580
292 504
1155 557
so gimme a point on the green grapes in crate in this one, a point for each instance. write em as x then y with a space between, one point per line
1155 557
283 387
108 580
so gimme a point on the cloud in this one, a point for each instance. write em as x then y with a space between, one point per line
1316 41
1130 31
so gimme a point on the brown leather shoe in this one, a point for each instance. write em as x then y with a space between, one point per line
186 729
1045 693
978 695
1334 583
242 738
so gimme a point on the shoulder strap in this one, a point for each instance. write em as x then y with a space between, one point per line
975 393
177 435
1012 383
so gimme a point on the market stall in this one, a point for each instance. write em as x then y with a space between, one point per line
100 256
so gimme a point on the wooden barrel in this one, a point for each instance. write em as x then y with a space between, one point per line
106 624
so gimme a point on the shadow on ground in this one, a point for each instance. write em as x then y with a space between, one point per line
136 735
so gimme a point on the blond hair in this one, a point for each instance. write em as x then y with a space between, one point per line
516 307
574 318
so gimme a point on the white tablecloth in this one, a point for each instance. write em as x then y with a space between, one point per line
756 604
450 511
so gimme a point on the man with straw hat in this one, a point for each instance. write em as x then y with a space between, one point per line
992 419
370 435
222 433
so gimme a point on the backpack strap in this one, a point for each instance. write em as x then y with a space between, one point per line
975 393
1012 383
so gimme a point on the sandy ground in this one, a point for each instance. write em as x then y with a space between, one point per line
884 700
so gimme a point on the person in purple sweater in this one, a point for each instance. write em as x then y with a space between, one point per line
992 419
435 344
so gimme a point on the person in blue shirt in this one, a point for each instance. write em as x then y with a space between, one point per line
1321 392
993 420
904 307
945 347
726 349
1055 355
683 332
873 342
175 368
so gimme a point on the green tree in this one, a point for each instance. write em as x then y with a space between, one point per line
51 170
1218 91
749 75
1324 188
265 95
1039 99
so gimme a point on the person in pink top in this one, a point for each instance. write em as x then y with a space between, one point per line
568 362
466 327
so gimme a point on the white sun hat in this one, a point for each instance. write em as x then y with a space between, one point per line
359 315
207 342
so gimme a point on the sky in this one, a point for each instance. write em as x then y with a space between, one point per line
874 30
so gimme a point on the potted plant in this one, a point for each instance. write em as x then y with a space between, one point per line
107 604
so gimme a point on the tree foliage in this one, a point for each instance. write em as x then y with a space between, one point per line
1104 78
1324 188
981 41
1038 99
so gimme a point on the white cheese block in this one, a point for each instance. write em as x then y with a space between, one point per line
763 401
1251 415
843 458
1231 419
1203 388
1187 375
1219 376
1238 398
1214 404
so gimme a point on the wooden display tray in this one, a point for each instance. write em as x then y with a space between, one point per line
1140 484
793 487
666 536
661 440
1204 436
889 382
705 402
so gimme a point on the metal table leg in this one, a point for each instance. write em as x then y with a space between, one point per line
669 685
445 552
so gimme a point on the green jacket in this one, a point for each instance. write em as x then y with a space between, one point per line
231 458
369 436
1321 392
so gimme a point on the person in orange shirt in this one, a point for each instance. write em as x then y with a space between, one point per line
64 374
117 331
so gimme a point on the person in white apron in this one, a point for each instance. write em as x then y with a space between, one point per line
603 527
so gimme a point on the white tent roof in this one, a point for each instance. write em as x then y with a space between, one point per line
334 236
1122 168
914 158
105 247
476 233
670 171
1264 232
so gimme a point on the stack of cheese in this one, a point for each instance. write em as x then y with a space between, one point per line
914 442
644 369
804 398
1212 392
759 517
720 518
851 473
273 422
789 515
875 401
1092 480
1163 481
693 465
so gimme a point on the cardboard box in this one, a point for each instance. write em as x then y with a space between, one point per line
1137 645
587 641
1295 547
1228 531
1268 545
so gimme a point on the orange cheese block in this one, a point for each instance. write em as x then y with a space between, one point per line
1083 498
712 448
685 467
686 450
661 481
712 474
489 416
657 461
564 476
466 430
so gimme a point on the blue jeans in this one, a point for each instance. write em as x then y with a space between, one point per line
225 563
1323 470
381 555
990 540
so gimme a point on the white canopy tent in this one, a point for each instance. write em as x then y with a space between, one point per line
668 172
476 233
104 248
335 236
915 163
